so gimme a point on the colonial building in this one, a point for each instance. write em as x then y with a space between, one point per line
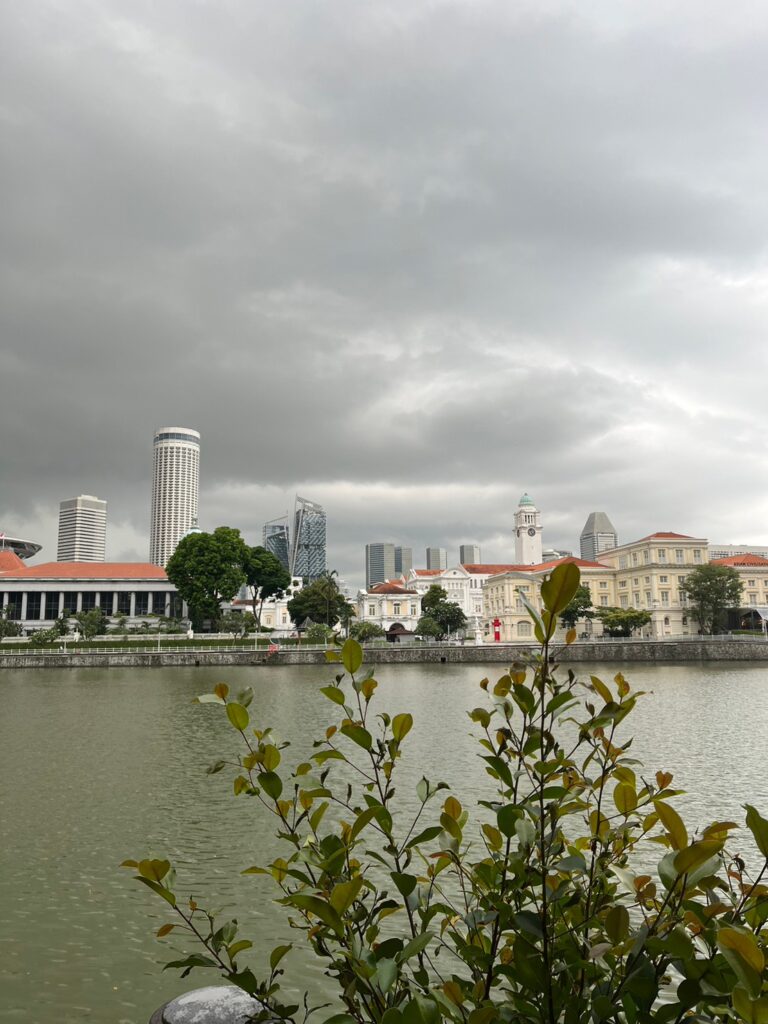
648 575
505 594
389 604
37 595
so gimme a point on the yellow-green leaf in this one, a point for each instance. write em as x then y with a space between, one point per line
558 590
695 854
238 715
344 894
351 656
221 690
154 869
401 726
271 757
625 798
673 823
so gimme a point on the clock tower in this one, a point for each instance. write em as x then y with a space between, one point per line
527 533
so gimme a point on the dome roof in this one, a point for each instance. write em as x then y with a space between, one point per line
526 500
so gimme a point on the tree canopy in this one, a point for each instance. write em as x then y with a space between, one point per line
579 608
436 607
366 631
265 577
622 621
321 601
206 569
711 589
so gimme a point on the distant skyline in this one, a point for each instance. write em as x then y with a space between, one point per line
410 259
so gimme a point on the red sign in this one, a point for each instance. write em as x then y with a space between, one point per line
496 630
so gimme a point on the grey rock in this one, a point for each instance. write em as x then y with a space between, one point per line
216 1004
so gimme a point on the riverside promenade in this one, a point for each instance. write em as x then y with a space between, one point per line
674 650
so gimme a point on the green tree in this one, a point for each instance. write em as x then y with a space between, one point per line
363 631
436 606
92 623
234 622
8 627
579 608
427 626
622 621
321 601
207 569
318 633
572 892
265 577
711 589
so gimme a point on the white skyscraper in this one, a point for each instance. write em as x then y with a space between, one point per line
175 486
82 529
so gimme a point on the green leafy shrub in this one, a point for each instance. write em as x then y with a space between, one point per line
537 908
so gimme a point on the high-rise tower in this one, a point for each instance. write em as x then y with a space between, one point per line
175 487
599 534
308 545
527 532
379 563
275 540
82 529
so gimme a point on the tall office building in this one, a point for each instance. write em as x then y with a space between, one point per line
308 546
175 487
599 534
437 558
403 560
379 563
275 540
469 554
82 529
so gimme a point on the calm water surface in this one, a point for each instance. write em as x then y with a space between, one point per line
99 766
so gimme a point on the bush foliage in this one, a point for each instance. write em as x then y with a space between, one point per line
536 906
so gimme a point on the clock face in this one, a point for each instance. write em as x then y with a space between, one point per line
531 532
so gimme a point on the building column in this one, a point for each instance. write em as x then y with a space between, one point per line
43 602
5 599
79 606
61 604
23 606
133 605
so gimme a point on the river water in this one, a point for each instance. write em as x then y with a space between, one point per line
97 766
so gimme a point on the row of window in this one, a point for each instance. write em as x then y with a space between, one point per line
662 555
58 602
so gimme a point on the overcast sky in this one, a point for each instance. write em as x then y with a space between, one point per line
407 259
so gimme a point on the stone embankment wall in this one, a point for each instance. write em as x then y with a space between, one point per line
604 651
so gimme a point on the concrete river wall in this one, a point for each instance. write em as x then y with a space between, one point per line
699 649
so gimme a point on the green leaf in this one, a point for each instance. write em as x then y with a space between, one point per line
167 895
415 946
333 693
758 826
740 949
364 818
673 823
351 655
272 784
754 1011
344 894
313 905
358 735
238 947
405 883
558 590
401 726
271 757
625 798
617 923
696 854
215 767
424 837
277 955
386 972
238 715
154 869
506 817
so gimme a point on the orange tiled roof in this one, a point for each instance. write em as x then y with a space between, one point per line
389 588
428 572
10 562
478 568
746 559
665 536
83 570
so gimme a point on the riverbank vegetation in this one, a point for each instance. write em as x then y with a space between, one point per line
538 904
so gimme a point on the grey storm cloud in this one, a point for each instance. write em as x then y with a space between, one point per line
409 259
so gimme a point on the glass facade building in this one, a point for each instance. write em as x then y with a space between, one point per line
275 540
309 540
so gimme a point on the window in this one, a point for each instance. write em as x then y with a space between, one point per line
750 583
371 609
646 579
680 579
523 629
89 600
697 554
662 555
636 581
634 558
752 598
33 606
413 609
636 598
647 599
604 600
646 556
123 603
396 608
665 597
663 579
142 604
603 585
624 601
622 583
679 556
622 561
666 620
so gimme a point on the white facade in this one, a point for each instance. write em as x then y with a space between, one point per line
175 487
527 533
387 604
82 529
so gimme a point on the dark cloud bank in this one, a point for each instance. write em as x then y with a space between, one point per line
407 259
